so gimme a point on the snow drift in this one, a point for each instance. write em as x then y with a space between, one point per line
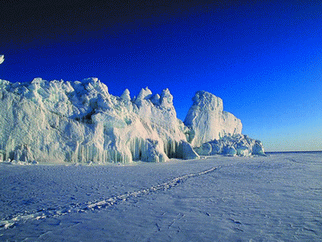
50 121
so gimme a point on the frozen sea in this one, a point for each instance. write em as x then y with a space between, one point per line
273 198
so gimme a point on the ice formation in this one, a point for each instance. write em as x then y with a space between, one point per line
50 121
207 120
237 144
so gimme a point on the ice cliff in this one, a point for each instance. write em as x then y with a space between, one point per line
51 121
207 120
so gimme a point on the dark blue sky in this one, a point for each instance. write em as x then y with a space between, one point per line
263 59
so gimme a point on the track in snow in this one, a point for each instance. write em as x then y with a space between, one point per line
89 206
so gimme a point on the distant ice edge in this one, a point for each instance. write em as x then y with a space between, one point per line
62 121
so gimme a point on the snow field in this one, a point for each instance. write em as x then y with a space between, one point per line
275 198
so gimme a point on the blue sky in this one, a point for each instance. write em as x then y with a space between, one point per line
263 59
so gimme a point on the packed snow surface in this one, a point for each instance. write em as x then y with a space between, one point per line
218 198
61 121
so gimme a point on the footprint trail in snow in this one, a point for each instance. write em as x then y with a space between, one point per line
89 206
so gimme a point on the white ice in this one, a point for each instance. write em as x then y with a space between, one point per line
274 198
62 121
208 121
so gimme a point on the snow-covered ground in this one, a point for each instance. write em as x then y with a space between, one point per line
274 198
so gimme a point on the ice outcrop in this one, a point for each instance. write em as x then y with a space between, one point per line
57 121
237 144
80 122
1 59
207 120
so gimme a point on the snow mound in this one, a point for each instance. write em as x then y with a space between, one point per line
62 121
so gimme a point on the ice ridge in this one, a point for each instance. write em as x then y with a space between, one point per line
80 121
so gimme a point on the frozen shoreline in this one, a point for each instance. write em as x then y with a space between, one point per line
217 198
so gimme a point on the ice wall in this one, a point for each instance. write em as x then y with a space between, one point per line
58 121
81 122
207 121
